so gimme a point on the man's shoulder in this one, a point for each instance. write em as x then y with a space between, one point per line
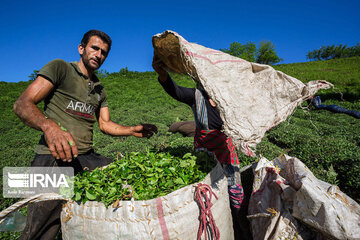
58 64
56 70
59 61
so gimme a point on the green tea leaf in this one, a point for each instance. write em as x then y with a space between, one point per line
151 175
90 196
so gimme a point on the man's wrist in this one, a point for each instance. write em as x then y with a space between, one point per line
163 77
47 124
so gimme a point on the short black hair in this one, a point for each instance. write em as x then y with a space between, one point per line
100 34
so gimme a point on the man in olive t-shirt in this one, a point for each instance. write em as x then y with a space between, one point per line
73 104
74 101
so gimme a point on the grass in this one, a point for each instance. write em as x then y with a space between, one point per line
328 143
344 73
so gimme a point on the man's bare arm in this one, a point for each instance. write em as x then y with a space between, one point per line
25 108
109 127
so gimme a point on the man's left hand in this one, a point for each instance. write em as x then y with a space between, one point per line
145 130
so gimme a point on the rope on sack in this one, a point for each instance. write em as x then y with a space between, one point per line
24 202
204 194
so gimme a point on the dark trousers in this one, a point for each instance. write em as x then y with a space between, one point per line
43 218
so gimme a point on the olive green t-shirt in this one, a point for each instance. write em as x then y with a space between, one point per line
72 103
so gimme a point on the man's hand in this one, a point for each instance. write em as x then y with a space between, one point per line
109 127
61 143
159 66
145 130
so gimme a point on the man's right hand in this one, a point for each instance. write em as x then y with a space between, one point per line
60 142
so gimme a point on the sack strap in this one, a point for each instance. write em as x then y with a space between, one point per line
36 198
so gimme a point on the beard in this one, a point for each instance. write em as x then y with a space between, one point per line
87 63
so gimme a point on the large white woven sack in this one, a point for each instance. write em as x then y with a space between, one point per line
174 216
289 202
321 205
251 98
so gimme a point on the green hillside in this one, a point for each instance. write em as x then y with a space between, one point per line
344 73
320 139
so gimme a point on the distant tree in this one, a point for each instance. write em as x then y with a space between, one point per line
355 50
326 52
266 53
340 51
310 55
124 70
245 51
317 54
102 73
33 75
333 52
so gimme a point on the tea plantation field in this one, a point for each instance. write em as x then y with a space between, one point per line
328 143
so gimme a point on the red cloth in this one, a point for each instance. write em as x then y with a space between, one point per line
218 143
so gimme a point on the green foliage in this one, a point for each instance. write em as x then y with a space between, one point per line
245 51
149 174
265 54
33 75
124 70
332 176
334 52
101 73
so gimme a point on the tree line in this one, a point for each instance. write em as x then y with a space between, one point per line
333 52
264 54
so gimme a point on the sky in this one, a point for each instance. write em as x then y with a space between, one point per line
36 32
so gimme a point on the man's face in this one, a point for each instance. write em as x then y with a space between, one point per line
95 53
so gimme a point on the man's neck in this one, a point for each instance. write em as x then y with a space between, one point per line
84 70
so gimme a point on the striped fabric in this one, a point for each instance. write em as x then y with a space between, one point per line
222 146
218 143
236 194
201 118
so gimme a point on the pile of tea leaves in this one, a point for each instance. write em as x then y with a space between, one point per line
150 175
